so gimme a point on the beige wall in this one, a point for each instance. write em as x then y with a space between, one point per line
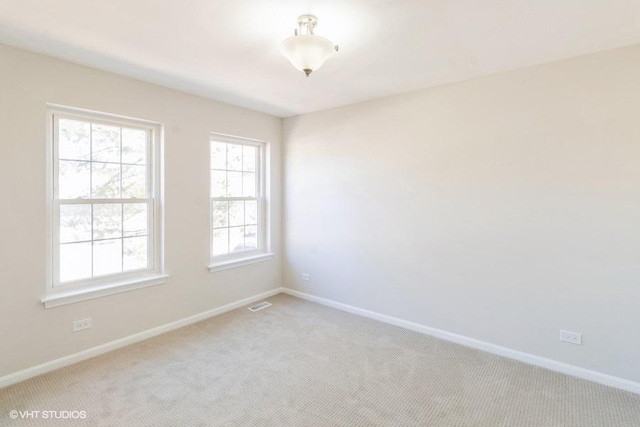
29 334
504 208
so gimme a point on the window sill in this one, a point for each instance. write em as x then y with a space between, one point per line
56 299
227 264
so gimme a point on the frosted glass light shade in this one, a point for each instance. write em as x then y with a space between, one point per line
307 52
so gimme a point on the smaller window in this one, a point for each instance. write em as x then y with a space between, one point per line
238 202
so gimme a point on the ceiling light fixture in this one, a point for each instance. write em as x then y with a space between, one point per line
306 51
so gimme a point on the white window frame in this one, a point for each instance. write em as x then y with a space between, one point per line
263 251
66 293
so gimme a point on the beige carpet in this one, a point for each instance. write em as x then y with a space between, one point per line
301 364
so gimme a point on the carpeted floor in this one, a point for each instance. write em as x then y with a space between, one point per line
298 363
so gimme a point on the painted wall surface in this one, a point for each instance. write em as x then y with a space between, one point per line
30 334
504 208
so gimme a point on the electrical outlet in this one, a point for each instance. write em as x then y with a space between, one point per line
571 337
306 277
79 325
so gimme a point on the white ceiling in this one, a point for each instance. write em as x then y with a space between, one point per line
229 49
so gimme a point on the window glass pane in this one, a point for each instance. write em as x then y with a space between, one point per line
134 181
73 179
220 214
107 257
107 221
218 184
236 239
249 184
105 180
75 261
75 223
220 241
105 143
236 213
134 146
74 140
251 237
249 158
251 212
134 253
234 188
134 219
219 155
234 157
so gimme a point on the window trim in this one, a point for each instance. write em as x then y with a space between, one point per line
263 252
57 294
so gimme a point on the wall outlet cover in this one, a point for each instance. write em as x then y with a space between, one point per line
79 325
571 337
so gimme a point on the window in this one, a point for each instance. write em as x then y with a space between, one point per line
105 205
238 204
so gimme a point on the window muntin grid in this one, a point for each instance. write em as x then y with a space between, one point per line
237 204
103 199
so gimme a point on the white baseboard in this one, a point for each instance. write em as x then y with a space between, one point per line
597 377
122 342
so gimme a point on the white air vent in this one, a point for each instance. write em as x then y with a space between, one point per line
260 306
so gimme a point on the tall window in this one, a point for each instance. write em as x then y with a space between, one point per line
105 204
237 199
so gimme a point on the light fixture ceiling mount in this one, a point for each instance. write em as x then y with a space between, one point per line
306 51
